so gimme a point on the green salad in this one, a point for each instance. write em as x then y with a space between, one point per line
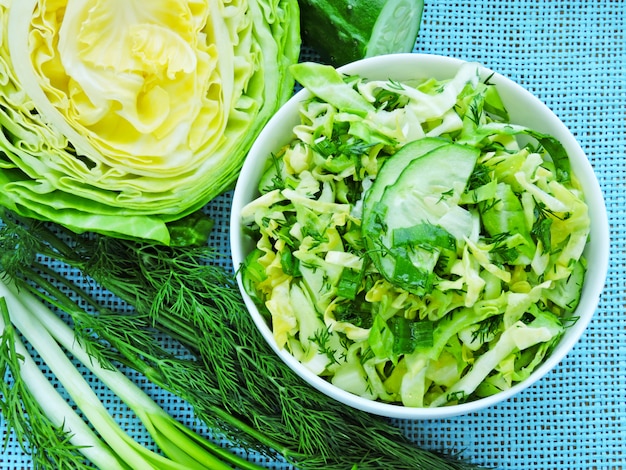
414 246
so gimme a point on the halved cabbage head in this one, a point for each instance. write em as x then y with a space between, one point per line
119 116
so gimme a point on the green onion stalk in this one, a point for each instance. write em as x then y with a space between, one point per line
182 449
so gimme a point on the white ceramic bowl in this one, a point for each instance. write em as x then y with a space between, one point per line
524 109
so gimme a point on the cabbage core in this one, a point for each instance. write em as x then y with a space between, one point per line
140 80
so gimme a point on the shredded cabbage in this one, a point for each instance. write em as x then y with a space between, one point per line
503 287
120 116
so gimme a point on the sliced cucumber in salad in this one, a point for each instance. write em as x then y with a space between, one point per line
411 212
410 246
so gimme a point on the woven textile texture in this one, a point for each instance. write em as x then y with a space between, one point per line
572 55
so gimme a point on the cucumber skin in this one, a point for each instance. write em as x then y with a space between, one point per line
339 30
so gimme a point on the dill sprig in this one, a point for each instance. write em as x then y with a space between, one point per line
226 371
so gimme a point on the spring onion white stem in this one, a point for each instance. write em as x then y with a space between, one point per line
58 410
43 329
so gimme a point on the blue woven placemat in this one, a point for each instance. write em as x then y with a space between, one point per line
572 55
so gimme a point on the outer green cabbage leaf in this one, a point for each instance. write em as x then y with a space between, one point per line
121 116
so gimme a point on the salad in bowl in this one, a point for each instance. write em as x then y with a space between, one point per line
409 245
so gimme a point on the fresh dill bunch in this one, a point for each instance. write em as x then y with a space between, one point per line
233 379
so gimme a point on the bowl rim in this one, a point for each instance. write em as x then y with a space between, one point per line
581 166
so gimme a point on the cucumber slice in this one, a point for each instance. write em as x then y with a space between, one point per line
391 169
396 28
411 212
428 189
343 31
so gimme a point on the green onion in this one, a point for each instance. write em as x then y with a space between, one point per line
47 334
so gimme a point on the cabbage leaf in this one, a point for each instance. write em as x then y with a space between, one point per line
121 116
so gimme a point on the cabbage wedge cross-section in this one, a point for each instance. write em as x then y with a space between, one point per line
120 116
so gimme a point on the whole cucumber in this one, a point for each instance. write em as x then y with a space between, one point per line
342 31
